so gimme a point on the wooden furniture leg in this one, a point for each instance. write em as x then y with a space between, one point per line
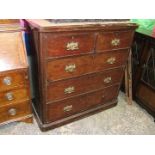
28 120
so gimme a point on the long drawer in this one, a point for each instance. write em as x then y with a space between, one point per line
70 87
11 112
12 80
76 66
74 105
13 96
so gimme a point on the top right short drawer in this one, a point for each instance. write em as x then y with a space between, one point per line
114 40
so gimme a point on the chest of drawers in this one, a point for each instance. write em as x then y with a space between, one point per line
79 68
15 101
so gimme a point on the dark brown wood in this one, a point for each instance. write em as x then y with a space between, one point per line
15 100
46 26
56 69
119 58
56 44
70 70
143 69
75 117
105 40
74 105
146 95
82 84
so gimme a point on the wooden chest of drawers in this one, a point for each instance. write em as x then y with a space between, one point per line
79 68
15 101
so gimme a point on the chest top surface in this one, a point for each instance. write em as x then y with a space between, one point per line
56 25
12 52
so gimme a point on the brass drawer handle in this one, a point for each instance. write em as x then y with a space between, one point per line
72 46
68 108
9 96
107 80
69 90
70 68
115 42
111 60
7 80
12 111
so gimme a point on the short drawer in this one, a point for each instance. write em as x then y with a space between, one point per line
110 59
68 44
65 108
69 67
12 80
11 112
70 87
13 96
114 40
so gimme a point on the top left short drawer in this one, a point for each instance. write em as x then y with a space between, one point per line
12 80
59 45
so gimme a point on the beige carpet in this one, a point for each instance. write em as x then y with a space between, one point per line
122 119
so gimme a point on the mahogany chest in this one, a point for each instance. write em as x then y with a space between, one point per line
15 101
79 67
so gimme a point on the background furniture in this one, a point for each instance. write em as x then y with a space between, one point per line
144 69
15 100
79 67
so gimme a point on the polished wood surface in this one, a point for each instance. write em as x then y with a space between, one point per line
15 99
56 45
85 64
74 105
12 60
83 84
57 69
46 26
14 111
76 73
18 79
110 59
107 41
13 96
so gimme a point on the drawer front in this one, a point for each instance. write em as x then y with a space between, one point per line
67 88
11 80
69 67
68 44
13 96
110 59
14 111
74 105
114 40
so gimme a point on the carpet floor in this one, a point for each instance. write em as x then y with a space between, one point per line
123 119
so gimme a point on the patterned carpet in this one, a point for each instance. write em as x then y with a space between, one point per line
121 120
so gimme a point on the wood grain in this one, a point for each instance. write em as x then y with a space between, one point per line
83 84
56 44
